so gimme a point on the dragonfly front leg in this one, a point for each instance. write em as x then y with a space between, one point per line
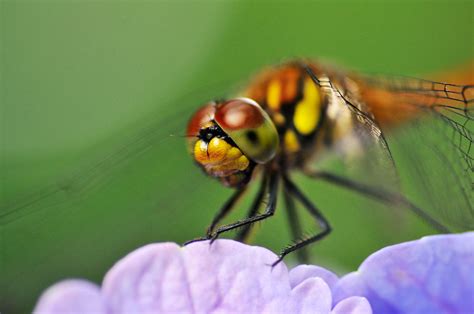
269 209
243 234
224 210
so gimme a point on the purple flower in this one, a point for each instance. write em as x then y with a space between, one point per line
432 275
225 277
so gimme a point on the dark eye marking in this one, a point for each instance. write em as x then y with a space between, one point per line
206 134
252 137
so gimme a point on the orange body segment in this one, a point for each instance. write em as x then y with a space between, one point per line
392 107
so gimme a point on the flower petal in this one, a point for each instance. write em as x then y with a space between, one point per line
432 275
353 305
302 272
224 276
312 296
71 296
149 279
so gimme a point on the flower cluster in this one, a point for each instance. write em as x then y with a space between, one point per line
431 275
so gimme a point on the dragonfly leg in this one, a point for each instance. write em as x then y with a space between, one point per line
223 211
292 190
295 225
269 209
390 198
244 232
228 206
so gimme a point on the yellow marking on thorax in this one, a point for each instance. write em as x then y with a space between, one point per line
278 119
307 111
274 94
291 142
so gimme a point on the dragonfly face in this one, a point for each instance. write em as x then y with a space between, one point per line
228 139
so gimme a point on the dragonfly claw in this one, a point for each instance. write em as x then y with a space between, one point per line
196 240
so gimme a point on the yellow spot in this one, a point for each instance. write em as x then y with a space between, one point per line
242 163
278 119
217 149
207 125
274 94
219 156
233 153
200 151
291 141
231 165
307 112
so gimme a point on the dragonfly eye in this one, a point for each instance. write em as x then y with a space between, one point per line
250 127
200 119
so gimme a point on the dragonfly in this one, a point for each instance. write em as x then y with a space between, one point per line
290 115
293 117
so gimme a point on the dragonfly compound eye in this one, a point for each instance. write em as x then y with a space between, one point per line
250 127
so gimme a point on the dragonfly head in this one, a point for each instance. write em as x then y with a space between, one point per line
228 139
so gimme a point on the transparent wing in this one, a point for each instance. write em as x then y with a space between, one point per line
434 145
87 178
363 150
411 135
449 102
159 137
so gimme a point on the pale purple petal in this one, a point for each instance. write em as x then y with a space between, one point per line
432 275
71 296
355 305
149 279
312 296
302 272
225 277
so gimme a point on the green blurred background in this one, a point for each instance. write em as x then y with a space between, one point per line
91 91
